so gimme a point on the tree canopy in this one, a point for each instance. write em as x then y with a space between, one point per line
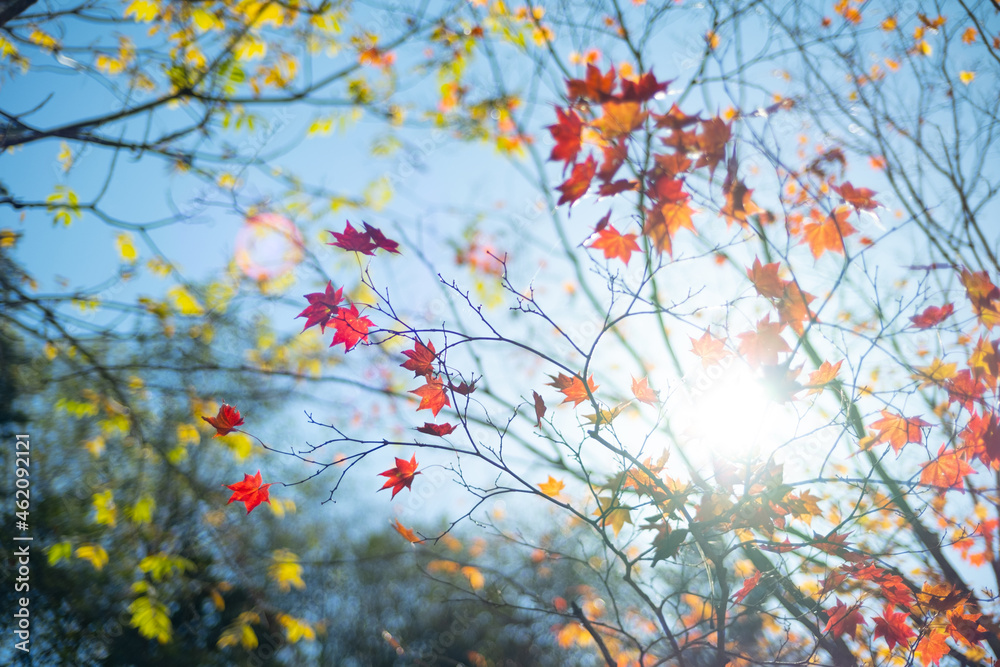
662 332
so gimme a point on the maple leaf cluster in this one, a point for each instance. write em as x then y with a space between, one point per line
324 309
366 242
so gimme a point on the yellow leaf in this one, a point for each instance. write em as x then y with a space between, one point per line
94 554
44 40
966 77
59 551
286 570
126 249
144 11
104 505
206 20
607 416
150 617
474 576
142 511
184 301
162 566
936 373
552 487
612 513
296 628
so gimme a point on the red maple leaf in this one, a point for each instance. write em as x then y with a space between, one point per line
250 491
401 476
615 244
765 279
566 133
539 408
932 316
844 620
965 389
351 328
225 421
892 625
573 388
322 306
642 392
578 182
381 241
643 90
436 429
595 86
420 359
898 431
621 185
859 198
432 396
464 388
352 240
675 119
614 154
748 585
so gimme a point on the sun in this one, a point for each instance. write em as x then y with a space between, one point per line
730 415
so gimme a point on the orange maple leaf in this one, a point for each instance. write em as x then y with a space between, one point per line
406 532
573 388
765 279
710 349
933 647
642 392
763 345
432 396
620 118
225 421
715 133
859 198
251 492
615 245
947 471
898 431
829 234
401 476
984 296
824 375
793 309
739 205
552 487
